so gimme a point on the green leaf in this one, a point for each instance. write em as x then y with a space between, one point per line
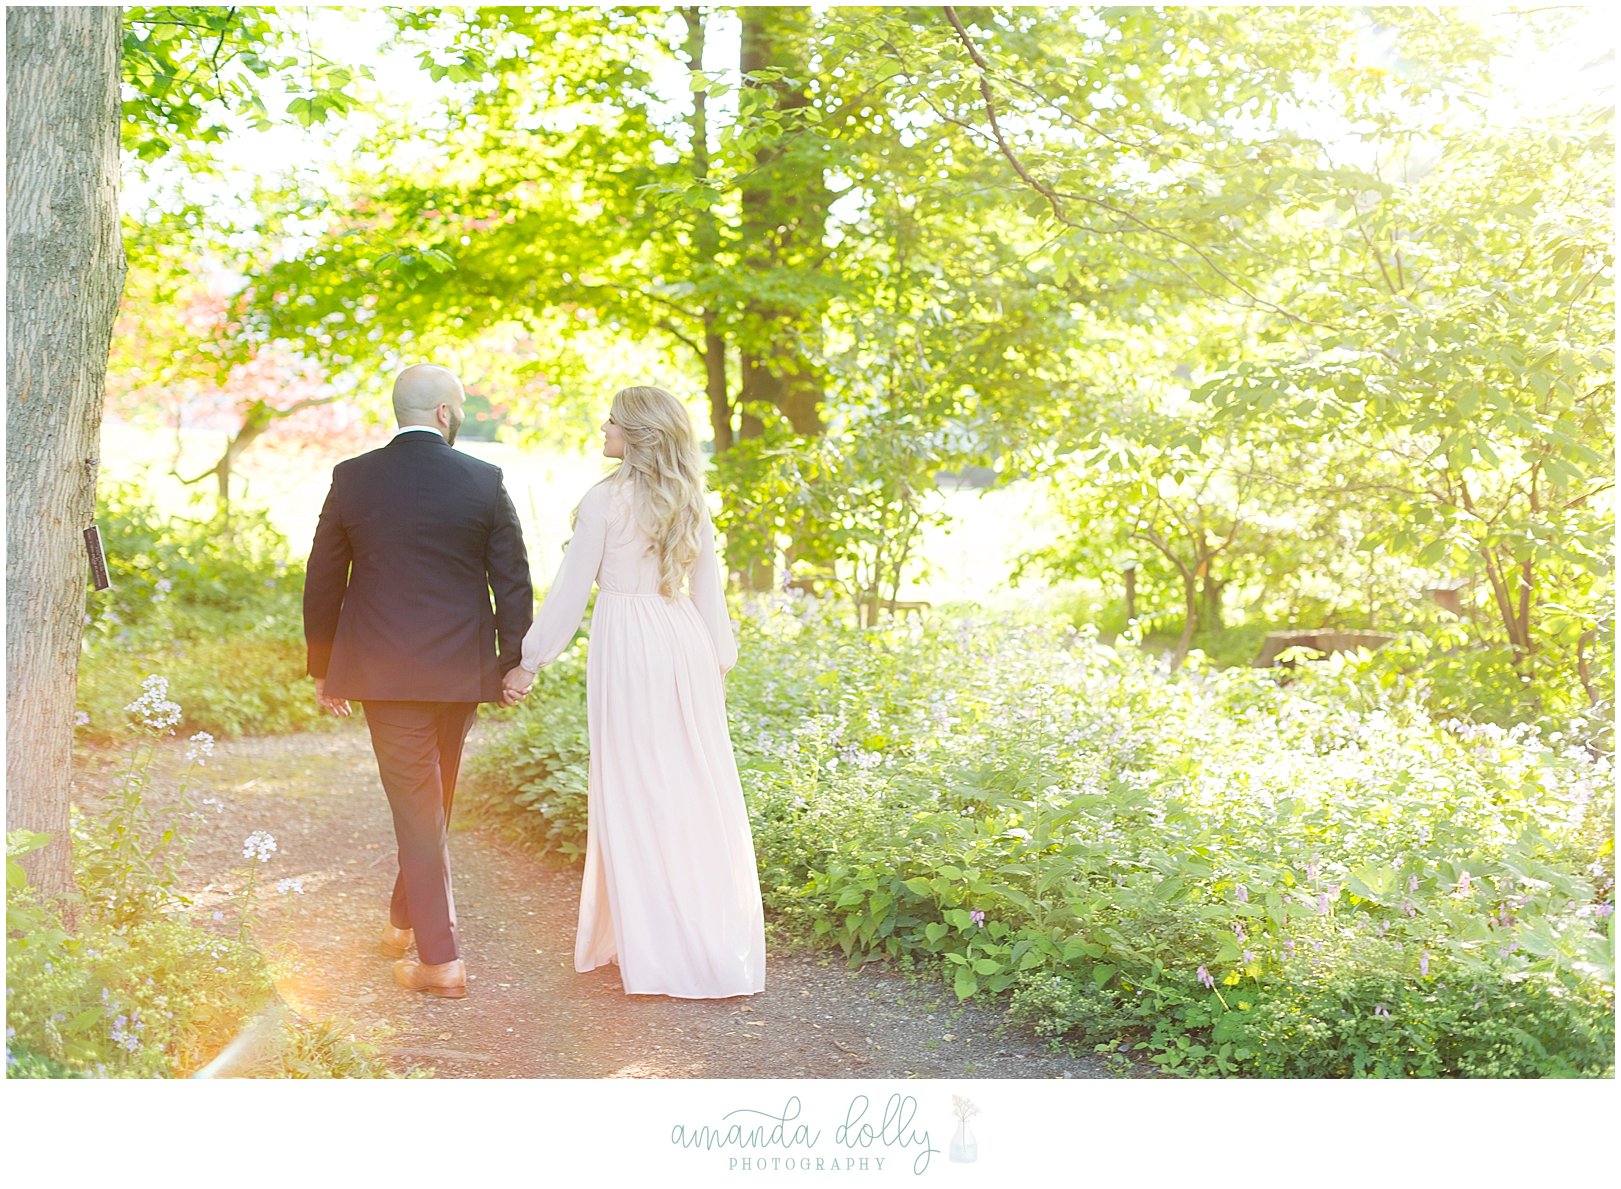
1170 889
1077 947
20 842
1378 884
1432 553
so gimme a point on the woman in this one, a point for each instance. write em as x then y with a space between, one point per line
671 890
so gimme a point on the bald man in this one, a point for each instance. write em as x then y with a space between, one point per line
413 541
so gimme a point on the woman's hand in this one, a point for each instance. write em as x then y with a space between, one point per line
515 685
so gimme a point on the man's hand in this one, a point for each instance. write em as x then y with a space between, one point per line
515 684
338 706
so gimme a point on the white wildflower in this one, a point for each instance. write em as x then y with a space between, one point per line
153 707
202 746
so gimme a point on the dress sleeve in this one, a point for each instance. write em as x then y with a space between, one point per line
709 596
559 616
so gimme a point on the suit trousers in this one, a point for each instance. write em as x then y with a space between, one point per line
419 752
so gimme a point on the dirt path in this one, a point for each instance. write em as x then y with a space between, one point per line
528 1014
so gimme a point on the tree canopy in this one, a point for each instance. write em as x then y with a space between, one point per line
1303 305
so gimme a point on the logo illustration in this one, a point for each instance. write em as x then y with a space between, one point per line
964 1147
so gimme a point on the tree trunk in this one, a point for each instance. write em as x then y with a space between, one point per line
784 220
706 238
66 272
1210 603
1190 619
720 405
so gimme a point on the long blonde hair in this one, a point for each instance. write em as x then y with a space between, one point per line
663 462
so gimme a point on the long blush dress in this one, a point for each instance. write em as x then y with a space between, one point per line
671 890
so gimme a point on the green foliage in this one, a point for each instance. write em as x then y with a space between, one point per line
540 772
1008 804
327 1049
852 502
217 613
1304 329
190 71
1462 370
1057 1006
229 687
126 862
139 988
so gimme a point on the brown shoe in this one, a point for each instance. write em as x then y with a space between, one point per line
448 980
396 942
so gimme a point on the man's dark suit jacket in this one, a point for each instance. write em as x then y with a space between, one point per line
412 541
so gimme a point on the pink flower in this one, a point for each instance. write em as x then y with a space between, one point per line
1204 977
977 916
1424 963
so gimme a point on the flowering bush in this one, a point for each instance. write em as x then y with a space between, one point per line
1250 872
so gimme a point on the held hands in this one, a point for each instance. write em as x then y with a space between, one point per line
515 684
338 706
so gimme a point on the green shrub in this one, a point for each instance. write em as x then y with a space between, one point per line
536 780
229 687
218 614
1054 1005
1007 802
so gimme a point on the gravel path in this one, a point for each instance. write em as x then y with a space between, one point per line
528 1014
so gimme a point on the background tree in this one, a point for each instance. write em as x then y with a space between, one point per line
1464 351
191 76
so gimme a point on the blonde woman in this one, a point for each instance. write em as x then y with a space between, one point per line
671 891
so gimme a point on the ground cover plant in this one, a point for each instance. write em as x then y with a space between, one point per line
134 980
1232 871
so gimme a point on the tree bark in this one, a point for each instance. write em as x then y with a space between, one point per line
65 275
706 238
1210 593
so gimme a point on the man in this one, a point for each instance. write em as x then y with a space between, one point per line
412 541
